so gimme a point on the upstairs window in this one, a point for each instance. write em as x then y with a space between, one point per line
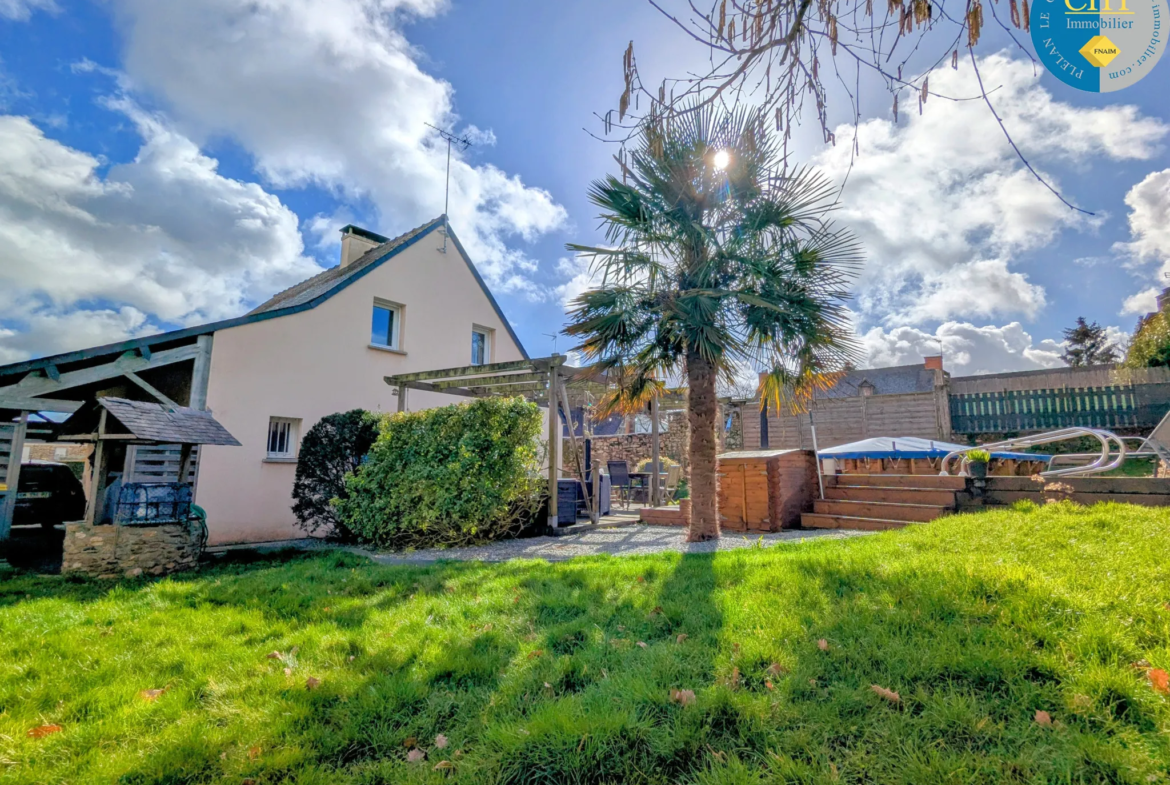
481 347
282 438
386 325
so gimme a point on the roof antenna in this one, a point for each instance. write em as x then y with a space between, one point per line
463 143
554 339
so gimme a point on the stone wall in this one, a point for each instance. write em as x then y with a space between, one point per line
129 551
633 447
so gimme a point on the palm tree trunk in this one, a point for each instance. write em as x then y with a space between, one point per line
702 416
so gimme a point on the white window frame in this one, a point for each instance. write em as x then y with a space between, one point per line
488 339
397 310
292 440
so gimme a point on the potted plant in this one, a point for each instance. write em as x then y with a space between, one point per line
977 461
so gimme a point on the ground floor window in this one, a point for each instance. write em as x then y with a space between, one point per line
282 438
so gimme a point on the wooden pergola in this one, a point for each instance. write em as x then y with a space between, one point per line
546 381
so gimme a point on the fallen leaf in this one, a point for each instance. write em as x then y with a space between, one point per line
254 753
410 741
535 653
889 695
1043 718
768 684
823 644
657 610
621 628
247 781
312 683
44 730
415 755
641 579
1142 665
441 742
443 765
1159 680
274 655
733 682
288 671
982 723
642 644
812 682
776 669
1166 606
151 695
682 636
683 697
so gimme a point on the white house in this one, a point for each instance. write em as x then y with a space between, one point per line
392 306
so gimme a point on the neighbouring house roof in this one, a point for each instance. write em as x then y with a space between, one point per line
152 422
305 295
885 381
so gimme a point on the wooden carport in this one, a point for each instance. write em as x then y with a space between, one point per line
171 369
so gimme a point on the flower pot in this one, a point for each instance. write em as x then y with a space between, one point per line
977 470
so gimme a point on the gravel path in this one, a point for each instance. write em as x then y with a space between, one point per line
623 541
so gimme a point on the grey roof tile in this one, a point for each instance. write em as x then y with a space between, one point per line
326 280
886 381
157 423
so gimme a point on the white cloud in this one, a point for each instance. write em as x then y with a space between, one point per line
1149 227
975 289
162 239
578 278
330 92
966 348
1141 303
942 203
21 10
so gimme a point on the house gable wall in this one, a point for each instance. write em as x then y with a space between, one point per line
311 364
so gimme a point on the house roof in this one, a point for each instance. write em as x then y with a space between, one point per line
153 422
885 381
305 295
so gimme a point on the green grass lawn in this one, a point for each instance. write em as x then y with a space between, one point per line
562 673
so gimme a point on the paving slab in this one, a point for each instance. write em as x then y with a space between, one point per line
638 539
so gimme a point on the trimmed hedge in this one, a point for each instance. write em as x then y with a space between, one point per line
331 450
455 475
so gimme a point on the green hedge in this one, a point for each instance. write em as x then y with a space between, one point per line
457 475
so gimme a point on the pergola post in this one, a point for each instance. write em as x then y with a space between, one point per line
98 472
655 452
401 397
554 443
11 479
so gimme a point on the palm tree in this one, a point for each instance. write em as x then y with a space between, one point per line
714 261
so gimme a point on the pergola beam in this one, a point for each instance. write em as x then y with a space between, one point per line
494 381
467 370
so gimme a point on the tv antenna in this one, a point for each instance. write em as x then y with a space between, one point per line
463 143
554 340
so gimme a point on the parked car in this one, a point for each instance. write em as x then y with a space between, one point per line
48 494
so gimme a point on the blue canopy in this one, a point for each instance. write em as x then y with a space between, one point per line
910 447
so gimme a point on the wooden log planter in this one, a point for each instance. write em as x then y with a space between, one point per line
766 490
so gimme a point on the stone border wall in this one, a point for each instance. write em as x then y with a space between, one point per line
129 551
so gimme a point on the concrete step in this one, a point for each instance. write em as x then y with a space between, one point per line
813 520
893 495
919 513
900 481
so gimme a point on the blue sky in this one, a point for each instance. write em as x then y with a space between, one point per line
166 162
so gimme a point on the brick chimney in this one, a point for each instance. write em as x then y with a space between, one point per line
933 363
355 241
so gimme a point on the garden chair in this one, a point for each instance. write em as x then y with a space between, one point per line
673 475
619 477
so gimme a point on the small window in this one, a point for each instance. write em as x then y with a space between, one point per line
282 438
386 324
481 347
